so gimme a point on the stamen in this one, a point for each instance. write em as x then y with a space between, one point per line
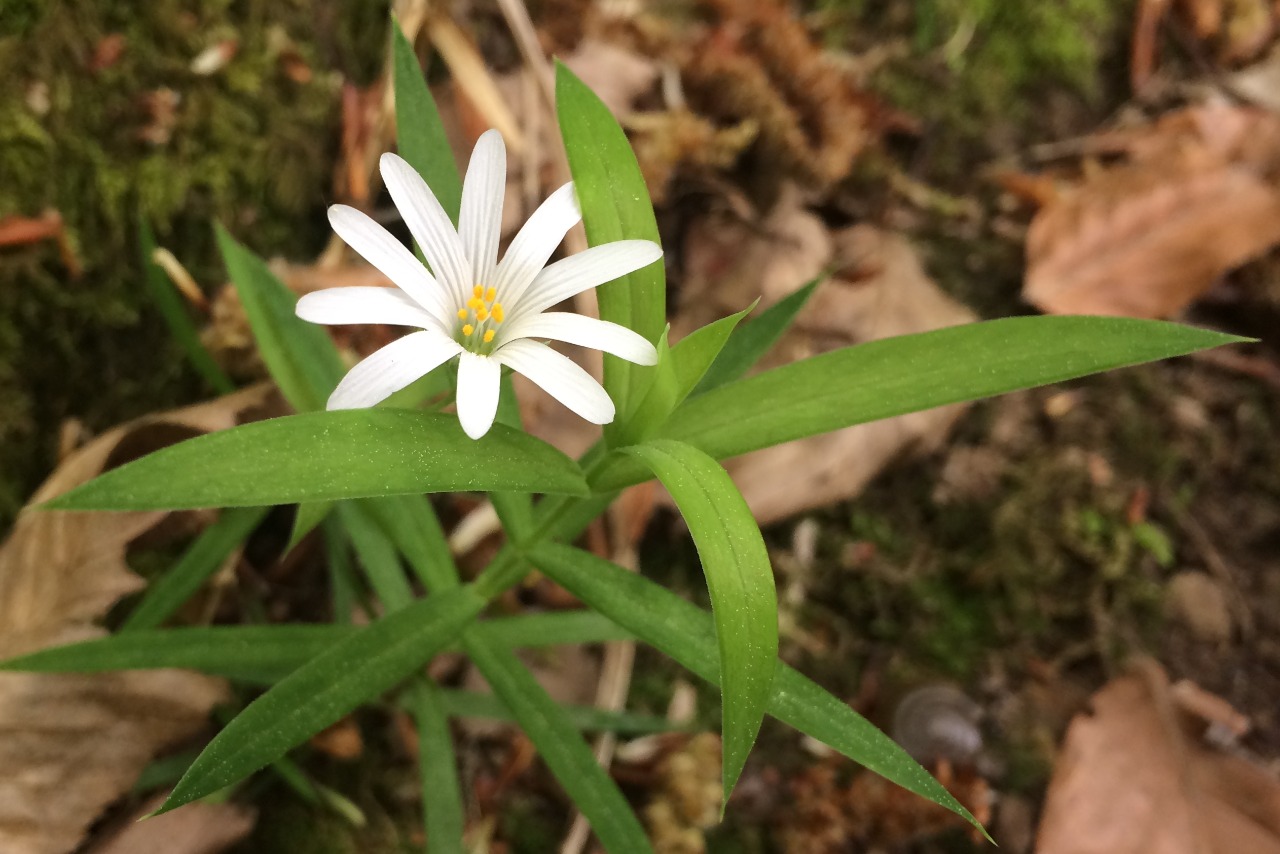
475 302
488 336
468 329
498 314
478 291
482 314
491 294
462 314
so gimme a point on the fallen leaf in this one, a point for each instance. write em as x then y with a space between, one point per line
199 828
1147 237
1134 777
879 291
74 743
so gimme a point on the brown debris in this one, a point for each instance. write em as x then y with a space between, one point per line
687 799
199 828
871 814
1238 30
759 64
1146 237
74 743
879 290
1134 776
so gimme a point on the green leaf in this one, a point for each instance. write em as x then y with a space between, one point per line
687 634
420 135
472 704
412 524
176 317
309 514
749 342
259 654
552 628
562 748
344 589
442 808
323 456
167 593
299 355
910 373
514 509
380 559
266 654
678 371
355 670
615 206
740 580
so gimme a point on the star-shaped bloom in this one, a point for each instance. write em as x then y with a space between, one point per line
487 312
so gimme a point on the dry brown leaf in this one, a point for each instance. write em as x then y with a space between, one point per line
1147 237
1134 778
74 743
199 828
880 291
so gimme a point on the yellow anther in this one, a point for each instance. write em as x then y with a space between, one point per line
491 294
498 314
475 302
488 336
478 290
482 314
468 329
462 314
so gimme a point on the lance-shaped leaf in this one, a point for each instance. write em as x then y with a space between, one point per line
420 134
321 456
299 355
687 634
749 342
442 808
740 580
167 593
893 376
615 206
174 310
562 748
266 654
355 670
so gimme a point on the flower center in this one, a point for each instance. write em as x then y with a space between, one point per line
478 321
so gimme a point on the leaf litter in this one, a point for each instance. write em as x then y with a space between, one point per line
1148 226
76 742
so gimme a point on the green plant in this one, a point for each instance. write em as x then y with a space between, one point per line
364 474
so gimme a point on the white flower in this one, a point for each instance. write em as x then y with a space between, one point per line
486 312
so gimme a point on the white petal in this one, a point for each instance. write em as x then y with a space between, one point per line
577 273
391 369
585 332
339 306
480 218
534 243
390 256
479 382
430 225
559 377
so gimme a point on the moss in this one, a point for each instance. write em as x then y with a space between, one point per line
978 72
247 145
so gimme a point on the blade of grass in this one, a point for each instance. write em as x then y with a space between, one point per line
176 317
687 634
442 808
168 592
561 746
361 666
750 341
